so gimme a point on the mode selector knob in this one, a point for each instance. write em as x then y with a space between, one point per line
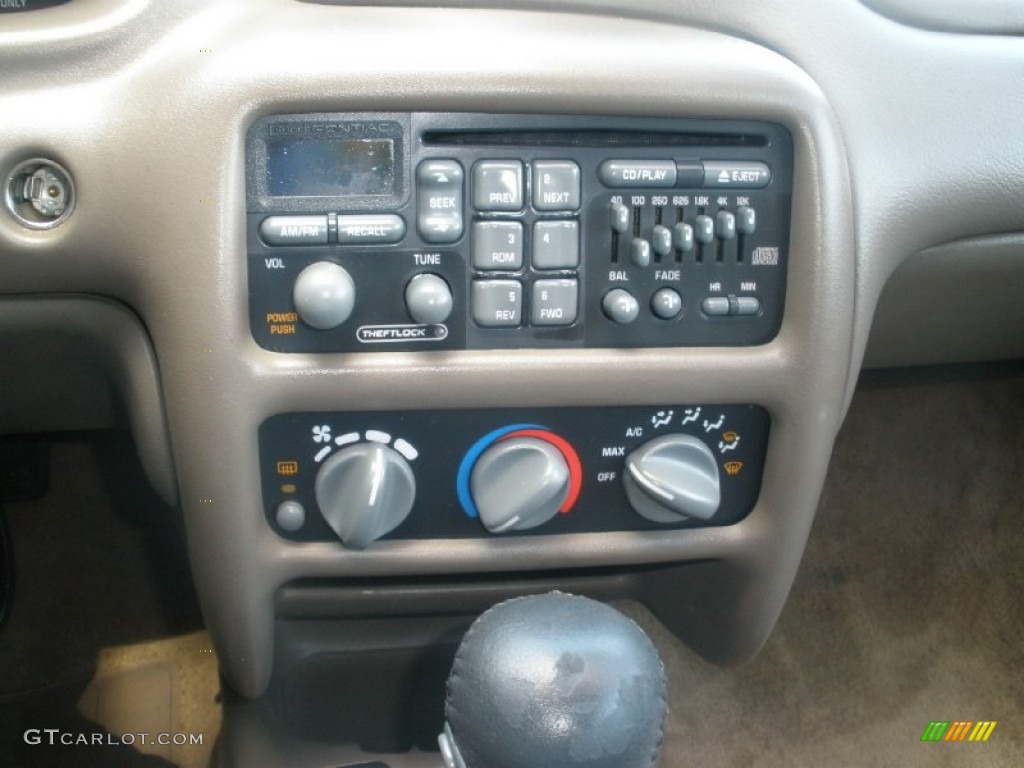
673 478
365 491
519 483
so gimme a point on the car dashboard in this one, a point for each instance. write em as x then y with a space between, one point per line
413 308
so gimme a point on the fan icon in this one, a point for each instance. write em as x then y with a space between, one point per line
322 434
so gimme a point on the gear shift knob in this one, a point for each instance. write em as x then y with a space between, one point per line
554 681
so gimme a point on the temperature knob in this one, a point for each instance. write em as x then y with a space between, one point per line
519 483
364 492
519 477
673 478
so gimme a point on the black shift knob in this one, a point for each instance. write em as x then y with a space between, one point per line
554 681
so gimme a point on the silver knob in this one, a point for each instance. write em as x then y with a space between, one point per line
428 299
620 306
673 478
519 483
364 492
324 295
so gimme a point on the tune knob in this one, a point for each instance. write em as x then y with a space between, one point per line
519 483
365 491
673 478
324 295
428 298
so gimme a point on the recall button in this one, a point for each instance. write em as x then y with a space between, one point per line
294 230
637 173
370 229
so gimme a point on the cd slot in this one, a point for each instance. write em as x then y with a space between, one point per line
610 139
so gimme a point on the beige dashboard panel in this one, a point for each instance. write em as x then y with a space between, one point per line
147 105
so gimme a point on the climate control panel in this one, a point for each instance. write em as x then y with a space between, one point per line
357 477
441 231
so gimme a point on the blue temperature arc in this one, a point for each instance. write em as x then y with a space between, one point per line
466 467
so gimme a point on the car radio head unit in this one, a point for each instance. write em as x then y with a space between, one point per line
424 231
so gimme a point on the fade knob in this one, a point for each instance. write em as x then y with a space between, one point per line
673 478
364 492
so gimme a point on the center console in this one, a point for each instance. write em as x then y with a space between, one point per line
426 232
462 326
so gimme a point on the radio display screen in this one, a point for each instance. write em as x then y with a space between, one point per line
330 167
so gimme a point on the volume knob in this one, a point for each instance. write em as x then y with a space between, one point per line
364 492
324 295
673 478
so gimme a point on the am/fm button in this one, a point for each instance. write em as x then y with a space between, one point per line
294 230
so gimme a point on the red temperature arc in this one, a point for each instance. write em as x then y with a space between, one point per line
573 460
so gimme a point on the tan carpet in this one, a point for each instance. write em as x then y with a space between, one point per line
908 607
